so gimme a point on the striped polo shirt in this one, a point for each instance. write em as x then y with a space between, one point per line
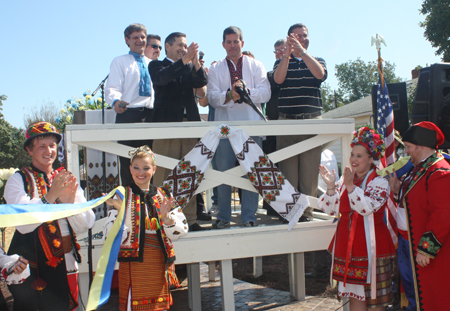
300 91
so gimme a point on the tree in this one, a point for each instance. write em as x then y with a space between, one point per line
355 78
47 111
12 153
332 99
437 25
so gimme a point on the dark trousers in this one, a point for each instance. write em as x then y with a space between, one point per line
136 115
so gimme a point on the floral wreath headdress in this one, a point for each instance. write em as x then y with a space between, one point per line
133 152
371 140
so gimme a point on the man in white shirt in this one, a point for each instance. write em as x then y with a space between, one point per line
50 247
223 78
129 89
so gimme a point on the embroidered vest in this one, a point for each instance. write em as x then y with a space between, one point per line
138 220
43 251
35 184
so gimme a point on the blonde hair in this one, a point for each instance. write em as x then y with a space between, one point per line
142 155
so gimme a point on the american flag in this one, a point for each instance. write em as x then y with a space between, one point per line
385 126
385 117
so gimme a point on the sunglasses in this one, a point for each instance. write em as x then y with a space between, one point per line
279 51
155 46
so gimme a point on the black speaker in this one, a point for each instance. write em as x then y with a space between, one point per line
432 101
399 100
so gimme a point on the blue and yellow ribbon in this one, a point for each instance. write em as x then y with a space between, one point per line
101 285
12 215
402 166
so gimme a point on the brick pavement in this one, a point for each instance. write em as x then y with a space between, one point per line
248 297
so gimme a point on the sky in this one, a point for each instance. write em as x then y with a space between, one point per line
52 51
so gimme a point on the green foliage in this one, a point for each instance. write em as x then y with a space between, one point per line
12 153
355 78
78 104
437 26
411 91
332 99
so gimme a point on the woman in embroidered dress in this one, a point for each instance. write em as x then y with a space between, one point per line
146 254
362 247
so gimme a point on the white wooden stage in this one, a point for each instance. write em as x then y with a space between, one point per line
225 245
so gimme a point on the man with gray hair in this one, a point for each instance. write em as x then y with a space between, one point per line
270 143
129 89
280 48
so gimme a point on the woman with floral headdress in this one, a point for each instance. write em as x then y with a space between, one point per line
362 247
146 254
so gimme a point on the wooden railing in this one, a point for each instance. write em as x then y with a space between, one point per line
225 245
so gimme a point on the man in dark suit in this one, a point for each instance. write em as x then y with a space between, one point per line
174 79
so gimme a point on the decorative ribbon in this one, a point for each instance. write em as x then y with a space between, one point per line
101 285
351 238
12 215
132 153
402 166
353 232
25 214
371 243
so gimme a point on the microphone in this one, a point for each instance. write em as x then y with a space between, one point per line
201 54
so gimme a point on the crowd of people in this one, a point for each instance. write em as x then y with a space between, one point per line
42 262
180 81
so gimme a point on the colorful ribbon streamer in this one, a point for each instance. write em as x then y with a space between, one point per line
12 215
101 285
402 166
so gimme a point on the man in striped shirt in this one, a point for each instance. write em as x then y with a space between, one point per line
299 76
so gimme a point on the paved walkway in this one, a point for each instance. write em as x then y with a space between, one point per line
247 297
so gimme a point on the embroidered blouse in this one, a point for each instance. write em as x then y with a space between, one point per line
364 202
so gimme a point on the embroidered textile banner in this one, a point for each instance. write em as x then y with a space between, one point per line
267 179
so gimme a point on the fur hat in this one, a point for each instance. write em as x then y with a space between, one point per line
425 134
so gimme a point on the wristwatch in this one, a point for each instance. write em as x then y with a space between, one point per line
302 53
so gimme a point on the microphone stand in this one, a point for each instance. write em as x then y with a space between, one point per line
249 101
90 264
102 86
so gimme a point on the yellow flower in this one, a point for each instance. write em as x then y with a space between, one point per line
68 118
63 110
88 97
79 100
99 100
